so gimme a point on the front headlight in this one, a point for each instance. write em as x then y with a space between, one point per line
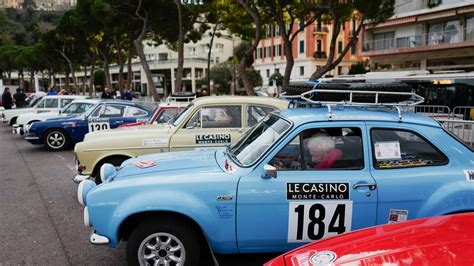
106 171
83 189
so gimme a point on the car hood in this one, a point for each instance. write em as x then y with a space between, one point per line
184 161
421 242
126 132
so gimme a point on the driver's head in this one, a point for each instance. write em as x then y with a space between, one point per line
319 146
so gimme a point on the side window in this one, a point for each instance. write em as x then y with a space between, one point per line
51 103
133 112
256 113
322 149
393 148
96 112
166 115
113 111
41 104
217 117
65 102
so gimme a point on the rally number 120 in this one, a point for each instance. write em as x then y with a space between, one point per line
311 221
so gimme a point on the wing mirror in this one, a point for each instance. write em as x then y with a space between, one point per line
270 171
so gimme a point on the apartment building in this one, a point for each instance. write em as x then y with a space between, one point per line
310 51
435 35
11 4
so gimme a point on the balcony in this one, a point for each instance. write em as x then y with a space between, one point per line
422 42
319 55
321 30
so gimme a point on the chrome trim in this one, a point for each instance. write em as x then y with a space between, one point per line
126 148
79 178
97 239
31 138
86 217
371 186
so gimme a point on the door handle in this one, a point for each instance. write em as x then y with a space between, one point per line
371 186
119 122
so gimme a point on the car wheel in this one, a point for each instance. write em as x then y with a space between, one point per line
163 242
115 161
56 140
13 121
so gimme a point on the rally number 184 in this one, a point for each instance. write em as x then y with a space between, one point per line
310 221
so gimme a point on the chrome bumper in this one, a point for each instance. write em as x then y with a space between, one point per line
79 178
31 138
97 239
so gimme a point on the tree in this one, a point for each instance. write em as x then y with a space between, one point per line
339 11
221 74
357 68
277 77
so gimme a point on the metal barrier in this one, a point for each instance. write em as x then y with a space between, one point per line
434 111
463 113
463 129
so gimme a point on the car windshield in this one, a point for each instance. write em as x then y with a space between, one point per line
35 101
257 140
150 119
179 118
92 109
76 108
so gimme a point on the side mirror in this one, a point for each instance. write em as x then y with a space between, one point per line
270 172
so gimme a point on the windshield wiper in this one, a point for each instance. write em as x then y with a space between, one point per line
231 155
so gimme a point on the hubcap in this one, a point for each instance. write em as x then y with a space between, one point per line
161 249
56 140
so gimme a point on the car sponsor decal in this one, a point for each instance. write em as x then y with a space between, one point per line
310 221
396 216
139 120
154 142
229 168
213 138
317 191
98 124
387 150
323 258
469 175
225 211
145 164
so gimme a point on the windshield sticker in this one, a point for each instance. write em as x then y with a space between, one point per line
387 150
317 191
396 216
229 168
313 220
154 142
469 175
145 164
213 138
403 163
98 124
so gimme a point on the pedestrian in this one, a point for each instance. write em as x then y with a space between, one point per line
127 95
52 91
106 94
7 99
20 98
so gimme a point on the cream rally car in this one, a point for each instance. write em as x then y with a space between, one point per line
207 122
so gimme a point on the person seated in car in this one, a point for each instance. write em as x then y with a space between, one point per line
323 151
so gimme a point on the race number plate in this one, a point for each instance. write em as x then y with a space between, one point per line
310 221
98 125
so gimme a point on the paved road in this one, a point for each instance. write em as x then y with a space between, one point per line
40 219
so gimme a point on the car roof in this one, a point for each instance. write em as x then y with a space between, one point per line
86 101
239 100
66 96
318 114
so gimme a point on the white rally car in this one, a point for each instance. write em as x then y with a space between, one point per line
46 104
76 107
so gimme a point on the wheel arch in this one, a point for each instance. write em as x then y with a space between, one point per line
107 158
47 130
127 226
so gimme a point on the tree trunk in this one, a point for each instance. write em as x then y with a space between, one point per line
129 67
71 68
91 80
141 54
66 81
84 79
32 80
249 53
179 70
120 62
331 63
209 57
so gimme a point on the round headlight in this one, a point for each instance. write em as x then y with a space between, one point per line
106 171
83 189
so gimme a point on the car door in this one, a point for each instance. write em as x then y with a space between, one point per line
49 105
112 116
209 127
408 167
133 114
304 202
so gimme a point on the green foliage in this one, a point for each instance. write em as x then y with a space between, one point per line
222 74
255 77
357 68
277 77
99 78
239 51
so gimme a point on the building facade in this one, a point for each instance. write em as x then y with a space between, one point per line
11 4
434 35
310 51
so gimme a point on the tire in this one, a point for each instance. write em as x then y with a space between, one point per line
299 88
115 161
56 140
177 231
13 120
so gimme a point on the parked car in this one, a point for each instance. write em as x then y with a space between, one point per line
441 240
300 175
76 107
61 133
208 122
31 101
46 104
163 113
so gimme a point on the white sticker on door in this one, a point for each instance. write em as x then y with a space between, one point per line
310 221
98 124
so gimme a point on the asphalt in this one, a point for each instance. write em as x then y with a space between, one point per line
40 219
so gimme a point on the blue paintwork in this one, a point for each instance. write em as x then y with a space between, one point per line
256 218
77 126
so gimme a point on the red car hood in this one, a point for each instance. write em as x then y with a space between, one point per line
444 240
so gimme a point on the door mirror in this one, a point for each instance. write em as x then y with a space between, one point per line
270 171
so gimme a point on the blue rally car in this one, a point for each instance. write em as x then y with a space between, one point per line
61 133
298 176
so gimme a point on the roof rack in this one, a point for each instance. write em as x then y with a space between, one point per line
304 98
